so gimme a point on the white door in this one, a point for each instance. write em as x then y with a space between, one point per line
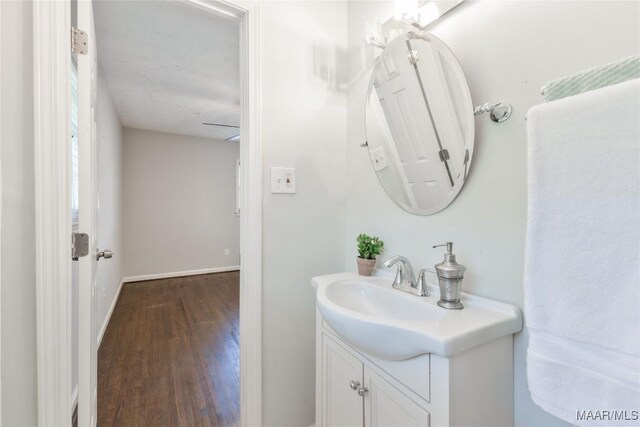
87 220
415 150
341 377
386 406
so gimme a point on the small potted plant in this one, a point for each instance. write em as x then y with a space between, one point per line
368 249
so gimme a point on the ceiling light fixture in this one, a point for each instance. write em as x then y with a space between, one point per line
407 16
221 125
210 8
403 9
428 12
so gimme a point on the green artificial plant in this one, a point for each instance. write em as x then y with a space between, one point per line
369 247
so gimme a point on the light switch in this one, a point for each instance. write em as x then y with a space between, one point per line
283 180
379 158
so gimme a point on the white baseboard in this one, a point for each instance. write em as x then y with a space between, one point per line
74 398
180 273
106 320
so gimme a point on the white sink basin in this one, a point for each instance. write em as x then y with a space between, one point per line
394 325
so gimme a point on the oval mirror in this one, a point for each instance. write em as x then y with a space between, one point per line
419 123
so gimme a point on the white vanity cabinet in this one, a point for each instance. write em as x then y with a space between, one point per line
386 405
341 404
388 358
473 388
353 394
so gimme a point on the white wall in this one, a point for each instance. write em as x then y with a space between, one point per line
18 335
304 126
508 50
18 311
179 201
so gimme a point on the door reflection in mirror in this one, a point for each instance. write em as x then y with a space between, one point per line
419 123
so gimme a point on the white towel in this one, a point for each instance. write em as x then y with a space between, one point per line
582 269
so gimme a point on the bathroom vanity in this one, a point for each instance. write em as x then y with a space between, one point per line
388 358
385 357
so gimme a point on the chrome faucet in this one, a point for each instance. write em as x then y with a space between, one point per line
405 279
422 290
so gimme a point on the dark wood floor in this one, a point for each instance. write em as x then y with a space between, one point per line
169 356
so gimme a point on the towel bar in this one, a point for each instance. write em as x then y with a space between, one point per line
593 78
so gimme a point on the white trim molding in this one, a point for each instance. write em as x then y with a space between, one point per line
0 213
251 217
103 329
157 276
52 57
248 13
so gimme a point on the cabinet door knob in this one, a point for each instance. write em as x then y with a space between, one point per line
363 390
354 384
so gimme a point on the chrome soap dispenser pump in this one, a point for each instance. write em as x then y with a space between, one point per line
450 275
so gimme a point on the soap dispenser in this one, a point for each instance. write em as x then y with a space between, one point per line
450 275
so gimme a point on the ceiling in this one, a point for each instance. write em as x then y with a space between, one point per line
169 66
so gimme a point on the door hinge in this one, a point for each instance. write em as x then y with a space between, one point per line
79 245
444 155
79 41
413 57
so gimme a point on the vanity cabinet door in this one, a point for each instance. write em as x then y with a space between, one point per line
385 405
341 404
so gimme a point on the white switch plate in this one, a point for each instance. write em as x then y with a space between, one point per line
379 158
283 180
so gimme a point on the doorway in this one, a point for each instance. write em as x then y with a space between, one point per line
52 195
167 119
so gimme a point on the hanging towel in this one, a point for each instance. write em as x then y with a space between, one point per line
582 269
